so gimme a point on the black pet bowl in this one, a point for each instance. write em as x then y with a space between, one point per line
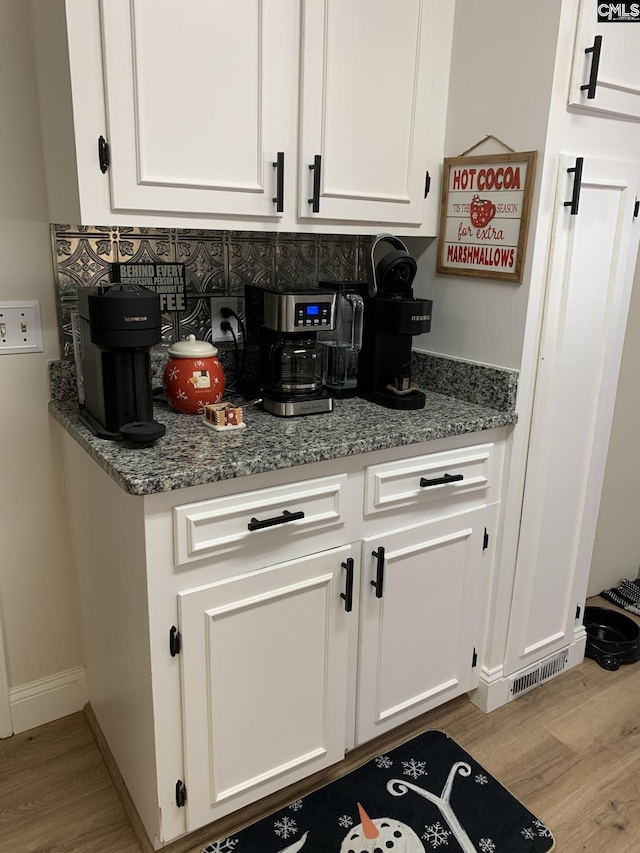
612 638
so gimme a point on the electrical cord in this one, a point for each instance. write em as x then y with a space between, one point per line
226 326
227 312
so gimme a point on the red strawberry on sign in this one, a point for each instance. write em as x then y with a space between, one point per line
482 211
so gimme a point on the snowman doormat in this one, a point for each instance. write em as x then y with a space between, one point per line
428 794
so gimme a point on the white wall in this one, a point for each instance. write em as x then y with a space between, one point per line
37 581
507 95
616 552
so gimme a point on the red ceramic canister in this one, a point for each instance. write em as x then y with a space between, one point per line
193 376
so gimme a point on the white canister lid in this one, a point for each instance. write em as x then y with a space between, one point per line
191 348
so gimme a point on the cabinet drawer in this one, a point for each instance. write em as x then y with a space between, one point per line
433 477
268 519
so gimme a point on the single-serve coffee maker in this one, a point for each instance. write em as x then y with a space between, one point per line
118 327
392 316
283 358
341 346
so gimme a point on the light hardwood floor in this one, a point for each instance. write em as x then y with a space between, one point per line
570 751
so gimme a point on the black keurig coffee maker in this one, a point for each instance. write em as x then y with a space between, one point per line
391 318
118 327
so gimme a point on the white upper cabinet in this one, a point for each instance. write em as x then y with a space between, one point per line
368 124
198 103
606 64
198 100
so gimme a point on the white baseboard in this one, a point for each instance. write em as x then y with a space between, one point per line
48 699
493 688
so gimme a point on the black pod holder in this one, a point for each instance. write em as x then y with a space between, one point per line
391 318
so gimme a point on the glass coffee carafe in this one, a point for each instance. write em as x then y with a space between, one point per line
341 346
295 366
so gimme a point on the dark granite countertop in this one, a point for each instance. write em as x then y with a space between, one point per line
193 454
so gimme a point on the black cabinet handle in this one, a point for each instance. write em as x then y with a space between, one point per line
347 595
577 184
279 167
441 481
595 65
316 166
378 583
256 524
103 154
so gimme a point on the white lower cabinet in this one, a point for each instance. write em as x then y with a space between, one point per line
264 675
421 624
235 640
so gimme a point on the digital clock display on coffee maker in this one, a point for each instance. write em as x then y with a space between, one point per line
313 313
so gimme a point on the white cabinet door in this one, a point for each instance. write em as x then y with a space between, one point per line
200 99
607 56
418 638
367 86
588 288
264 663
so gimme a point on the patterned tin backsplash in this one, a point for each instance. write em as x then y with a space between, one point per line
216 262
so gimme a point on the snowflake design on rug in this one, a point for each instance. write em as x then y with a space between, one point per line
383 761
227 845
285 827
543 831
528 833
487 845
481 779
414 768
345 821
436 834
173 373
296 805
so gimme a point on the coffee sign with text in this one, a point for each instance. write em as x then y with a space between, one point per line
484 215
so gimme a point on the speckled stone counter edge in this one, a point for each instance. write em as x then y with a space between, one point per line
192 455
482 384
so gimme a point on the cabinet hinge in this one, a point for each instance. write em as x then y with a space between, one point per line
636 208
175 641
578 611
485 541
427 184
181 794
474 659
104 155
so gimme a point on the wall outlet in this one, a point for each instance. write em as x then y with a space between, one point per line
218 302
20 327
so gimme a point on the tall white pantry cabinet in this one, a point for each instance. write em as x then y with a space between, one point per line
585 249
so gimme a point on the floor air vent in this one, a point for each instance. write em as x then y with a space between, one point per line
534 676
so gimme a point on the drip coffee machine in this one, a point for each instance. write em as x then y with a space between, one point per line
118 327
392 316
283 359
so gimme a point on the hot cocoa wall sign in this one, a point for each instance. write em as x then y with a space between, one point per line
484 216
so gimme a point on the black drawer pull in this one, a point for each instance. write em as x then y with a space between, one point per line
347 595
441 481
316 168
279 198
378 583
256 524
595 65
577 185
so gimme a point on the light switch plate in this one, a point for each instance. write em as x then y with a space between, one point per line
20 327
